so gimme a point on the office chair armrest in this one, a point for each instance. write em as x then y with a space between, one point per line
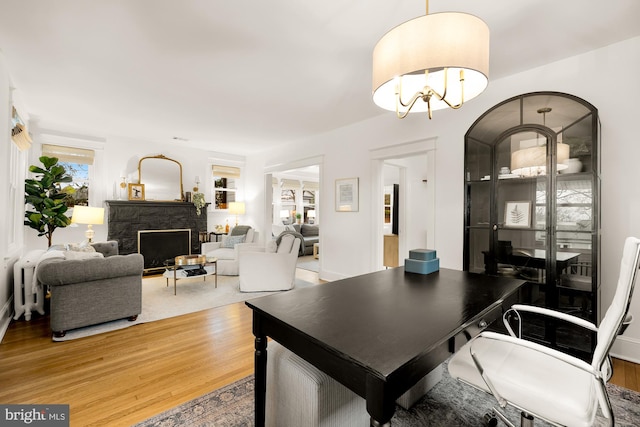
517 308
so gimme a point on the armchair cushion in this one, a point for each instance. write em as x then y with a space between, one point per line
271 246
285 244
232 241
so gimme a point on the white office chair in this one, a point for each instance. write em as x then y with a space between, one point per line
543 382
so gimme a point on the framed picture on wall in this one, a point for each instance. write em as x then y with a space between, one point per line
347 195
136 191
517 214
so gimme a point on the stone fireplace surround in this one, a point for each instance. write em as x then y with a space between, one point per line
125 218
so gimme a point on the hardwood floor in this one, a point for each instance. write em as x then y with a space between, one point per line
123 377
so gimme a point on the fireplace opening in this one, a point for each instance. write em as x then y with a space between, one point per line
157 246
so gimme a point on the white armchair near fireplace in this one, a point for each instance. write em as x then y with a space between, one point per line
226 251
271 267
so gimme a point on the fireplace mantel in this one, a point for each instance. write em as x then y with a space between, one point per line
126 217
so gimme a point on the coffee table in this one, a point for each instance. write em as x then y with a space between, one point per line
186 262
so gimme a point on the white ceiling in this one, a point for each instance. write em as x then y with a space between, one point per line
241 76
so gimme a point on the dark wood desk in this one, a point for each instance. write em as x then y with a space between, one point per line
532 258
379 333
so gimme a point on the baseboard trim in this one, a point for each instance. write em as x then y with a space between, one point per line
5 317
626 349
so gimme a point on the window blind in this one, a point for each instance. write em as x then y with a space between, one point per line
311 186
226 171
69 154
290 184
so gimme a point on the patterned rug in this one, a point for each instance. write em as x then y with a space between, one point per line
448 404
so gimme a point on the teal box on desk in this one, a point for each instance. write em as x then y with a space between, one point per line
420 266
422 254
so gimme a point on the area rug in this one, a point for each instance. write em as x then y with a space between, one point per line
308 263
159 302
448 404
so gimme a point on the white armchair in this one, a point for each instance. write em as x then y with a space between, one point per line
227 250
543 382
263 269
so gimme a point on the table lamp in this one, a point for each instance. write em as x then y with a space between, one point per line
284 214
311 214
236 208
88 215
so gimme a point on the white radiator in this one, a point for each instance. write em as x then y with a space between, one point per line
25 300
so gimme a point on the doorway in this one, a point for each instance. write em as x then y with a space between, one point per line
415 166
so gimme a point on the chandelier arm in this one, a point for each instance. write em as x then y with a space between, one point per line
442 97
408 106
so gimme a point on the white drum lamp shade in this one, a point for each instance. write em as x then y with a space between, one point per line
437 43
88 215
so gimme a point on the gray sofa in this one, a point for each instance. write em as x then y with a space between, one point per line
86 292
308 234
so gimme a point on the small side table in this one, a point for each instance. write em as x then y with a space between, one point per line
216 236
171 265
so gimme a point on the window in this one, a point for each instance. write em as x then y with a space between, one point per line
77 163
225 186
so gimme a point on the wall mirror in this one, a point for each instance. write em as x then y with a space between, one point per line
162 178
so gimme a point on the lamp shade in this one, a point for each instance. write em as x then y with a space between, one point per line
533 160
87 215
311 213
452 40
236 208
284 214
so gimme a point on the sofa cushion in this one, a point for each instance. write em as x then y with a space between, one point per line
108 248
232 241
309 230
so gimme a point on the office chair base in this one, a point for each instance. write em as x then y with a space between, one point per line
491 419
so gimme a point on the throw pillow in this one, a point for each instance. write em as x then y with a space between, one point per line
271 247
232 241
240 230
82 255
286 243
80 247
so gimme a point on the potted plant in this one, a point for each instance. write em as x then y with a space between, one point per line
45 194
299 217
199 202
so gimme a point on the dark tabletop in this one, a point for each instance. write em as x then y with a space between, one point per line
384 319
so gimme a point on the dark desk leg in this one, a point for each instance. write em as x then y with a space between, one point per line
260 376
379 405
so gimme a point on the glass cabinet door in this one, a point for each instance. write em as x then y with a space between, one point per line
532 204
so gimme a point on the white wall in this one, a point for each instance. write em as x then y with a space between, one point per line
5 251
